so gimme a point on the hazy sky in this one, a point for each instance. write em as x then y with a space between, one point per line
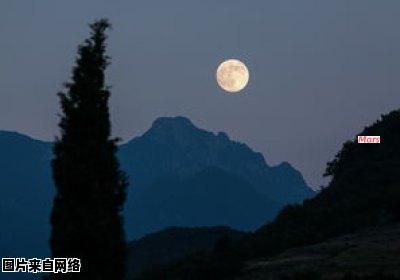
320 70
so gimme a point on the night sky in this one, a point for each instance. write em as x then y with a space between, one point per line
319 70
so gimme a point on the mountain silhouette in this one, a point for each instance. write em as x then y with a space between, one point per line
26 195
179 175
173 145
175 148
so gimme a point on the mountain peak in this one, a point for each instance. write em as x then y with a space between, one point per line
174 129
174 145
182 127
168 121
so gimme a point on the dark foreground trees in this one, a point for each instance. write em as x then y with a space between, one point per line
90 187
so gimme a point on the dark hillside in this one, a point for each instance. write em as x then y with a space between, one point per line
173 243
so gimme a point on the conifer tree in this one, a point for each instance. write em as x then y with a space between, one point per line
86 217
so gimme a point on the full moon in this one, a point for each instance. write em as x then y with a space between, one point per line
232 75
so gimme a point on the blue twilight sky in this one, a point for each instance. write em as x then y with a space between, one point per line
320 70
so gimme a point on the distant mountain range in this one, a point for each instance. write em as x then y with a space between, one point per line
179 175
174 146
26 194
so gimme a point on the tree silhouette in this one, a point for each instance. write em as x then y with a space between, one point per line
90 187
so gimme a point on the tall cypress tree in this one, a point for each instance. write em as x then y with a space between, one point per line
90 187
